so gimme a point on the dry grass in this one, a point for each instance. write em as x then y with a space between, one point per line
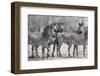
64 52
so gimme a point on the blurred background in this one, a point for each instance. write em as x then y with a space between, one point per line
38 22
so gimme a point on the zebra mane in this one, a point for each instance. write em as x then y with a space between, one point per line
47 28
45 31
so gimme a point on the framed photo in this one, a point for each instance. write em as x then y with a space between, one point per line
52 37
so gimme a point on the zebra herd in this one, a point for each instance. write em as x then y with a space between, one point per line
55 35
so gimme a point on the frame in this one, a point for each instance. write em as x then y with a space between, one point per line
16 30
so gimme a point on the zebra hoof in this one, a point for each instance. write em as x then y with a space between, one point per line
32 56
77 55
73 55
60 55
48 56
52 55
69 55
57 55
37 56
43 57
83 55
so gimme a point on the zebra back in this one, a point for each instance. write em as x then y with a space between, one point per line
71 38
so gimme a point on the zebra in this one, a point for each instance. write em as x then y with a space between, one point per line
41 38
84 43
75 38
58 27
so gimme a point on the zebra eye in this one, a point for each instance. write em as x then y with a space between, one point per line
55 30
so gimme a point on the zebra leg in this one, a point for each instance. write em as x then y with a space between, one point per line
59 52
48 52
58 49
69 50
74 50
32 51
43 52
77 50
53 50
84 50
36 51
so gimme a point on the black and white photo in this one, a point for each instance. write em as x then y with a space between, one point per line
56 37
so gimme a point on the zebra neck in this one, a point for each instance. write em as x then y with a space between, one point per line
45 36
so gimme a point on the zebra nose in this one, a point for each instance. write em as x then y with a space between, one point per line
53 36
81 32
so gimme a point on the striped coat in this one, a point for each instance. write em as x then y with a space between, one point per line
70 39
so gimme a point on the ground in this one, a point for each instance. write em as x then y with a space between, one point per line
64 52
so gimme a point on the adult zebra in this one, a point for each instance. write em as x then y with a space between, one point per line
57 27
76 38
84 42
41 38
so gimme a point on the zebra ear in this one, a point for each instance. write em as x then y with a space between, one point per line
81 24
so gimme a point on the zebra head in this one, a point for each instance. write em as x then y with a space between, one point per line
58 27
83 30
80 28
49 32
